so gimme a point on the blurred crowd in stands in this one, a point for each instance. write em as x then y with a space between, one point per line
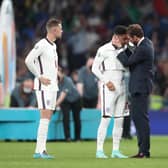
87 24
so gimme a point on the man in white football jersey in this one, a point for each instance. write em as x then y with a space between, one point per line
113 96
42 61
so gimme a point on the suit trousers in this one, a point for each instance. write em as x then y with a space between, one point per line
139 112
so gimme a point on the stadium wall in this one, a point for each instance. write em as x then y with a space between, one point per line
22 124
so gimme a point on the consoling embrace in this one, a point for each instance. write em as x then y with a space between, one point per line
115 57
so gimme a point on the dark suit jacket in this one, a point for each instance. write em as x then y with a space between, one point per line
140 63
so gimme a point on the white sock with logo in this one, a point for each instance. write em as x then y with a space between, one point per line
101 134
42 136
117 132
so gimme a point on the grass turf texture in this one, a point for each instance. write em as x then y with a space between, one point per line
81 155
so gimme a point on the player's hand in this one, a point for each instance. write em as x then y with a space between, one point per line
110 86
44 81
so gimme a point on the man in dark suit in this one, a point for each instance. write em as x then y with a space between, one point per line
140 63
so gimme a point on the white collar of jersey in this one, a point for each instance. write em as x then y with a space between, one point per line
140 41
111 46
49 41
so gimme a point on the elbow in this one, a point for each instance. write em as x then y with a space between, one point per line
28 62
125 64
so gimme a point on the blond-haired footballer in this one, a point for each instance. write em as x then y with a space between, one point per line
42 61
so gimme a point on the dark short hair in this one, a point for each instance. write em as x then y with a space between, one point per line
135 30
120 30
52 22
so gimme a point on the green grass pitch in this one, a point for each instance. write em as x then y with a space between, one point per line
82 155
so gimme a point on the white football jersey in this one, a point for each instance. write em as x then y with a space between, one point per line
106 61
43 60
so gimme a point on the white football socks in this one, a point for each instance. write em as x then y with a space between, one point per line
101 134
117 132
42 135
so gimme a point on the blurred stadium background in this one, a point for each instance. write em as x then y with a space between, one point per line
87 24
